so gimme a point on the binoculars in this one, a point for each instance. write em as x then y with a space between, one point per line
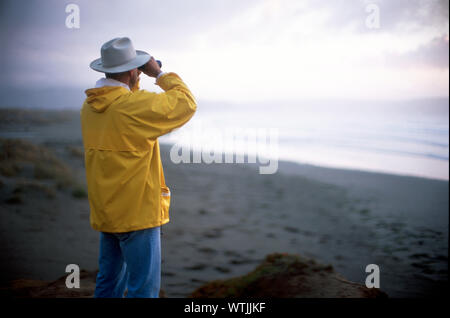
142 67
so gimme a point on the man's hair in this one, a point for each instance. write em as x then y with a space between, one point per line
114 75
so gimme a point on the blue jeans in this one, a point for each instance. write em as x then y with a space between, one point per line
130 261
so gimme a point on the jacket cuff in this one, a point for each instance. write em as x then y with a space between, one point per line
160 74
164 81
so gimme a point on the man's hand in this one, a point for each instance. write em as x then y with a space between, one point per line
152 68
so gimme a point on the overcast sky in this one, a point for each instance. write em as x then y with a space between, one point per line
240 50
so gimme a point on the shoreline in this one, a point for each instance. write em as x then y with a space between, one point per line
380 210
287 162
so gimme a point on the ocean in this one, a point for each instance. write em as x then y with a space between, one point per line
403 138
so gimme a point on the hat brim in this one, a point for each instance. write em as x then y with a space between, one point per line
140 59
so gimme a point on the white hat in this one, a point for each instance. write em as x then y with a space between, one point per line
118 55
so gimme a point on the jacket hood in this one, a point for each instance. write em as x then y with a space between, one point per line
100 98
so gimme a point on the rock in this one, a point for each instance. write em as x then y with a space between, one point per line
27 288
288 276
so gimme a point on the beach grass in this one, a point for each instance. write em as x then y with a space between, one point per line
22 158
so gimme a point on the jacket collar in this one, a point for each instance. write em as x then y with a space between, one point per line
109 82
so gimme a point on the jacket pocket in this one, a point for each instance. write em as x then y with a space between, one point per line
165 202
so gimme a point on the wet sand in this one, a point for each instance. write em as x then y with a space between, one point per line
225 218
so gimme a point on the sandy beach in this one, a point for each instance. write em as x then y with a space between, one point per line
225 218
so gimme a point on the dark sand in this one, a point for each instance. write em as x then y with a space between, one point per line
225 218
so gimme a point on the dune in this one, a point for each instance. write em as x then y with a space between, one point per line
288 276
278 276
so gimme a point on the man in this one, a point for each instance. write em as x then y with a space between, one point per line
128 197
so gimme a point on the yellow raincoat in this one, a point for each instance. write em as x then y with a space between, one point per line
125 178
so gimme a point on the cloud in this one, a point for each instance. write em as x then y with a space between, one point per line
399 16
434 54
169 22
39 46
226 49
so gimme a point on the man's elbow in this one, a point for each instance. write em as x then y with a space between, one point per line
192 103
191 106
194 107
